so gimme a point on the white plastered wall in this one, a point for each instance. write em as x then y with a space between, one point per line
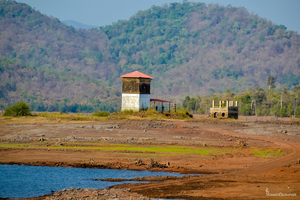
135 102
130 102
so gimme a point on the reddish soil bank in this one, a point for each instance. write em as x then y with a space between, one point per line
236 175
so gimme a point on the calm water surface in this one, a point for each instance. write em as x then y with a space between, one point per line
31 181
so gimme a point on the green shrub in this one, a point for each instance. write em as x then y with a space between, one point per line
18 109
128 112
200 111
298 112
223 105
184 114
101 113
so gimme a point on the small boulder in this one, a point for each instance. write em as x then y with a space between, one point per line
40 135
116 126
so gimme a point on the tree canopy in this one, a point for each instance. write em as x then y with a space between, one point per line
189 48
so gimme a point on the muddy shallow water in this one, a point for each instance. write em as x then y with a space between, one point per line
32 181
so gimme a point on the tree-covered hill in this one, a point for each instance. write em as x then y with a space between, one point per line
194 48
190 49
52 65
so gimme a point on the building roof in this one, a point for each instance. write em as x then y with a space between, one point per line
160 100
136 74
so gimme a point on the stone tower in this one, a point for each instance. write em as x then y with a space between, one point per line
135 91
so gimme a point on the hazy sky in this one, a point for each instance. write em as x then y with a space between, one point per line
104 12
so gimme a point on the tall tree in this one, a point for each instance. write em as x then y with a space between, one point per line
296 100
258 95
283 92
186 102
271 82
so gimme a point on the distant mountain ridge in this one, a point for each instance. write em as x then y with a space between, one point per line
77 25
189 49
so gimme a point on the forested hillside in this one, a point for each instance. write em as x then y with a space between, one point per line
52 65
190 49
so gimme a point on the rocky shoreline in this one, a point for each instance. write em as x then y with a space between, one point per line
96 194
146 178
113 165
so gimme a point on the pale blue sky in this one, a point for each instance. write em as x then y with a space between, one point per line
104 12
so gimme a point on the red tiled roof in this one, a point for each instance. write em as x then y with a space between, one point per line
136 74
160 100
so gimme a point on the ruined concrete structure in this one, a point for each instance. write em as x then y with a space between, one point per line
135 91
225 109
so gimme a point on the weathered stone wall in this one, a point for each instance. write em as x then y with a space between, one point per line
227 112
130 85
135 85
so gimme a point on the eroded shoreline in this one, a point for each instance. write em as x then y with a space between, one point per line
245 157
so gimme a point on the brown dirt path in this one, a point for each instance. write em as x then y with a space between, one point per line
275 163
254 171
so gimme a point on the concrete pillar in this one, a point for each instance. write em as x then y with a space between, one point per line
174 107
227 104
236 103
213 103
220 104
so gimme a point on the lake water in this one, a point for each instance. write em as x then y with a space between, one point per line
18 181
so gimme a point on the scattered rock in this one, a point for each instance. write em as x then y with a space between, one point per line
282 131
154 163
242 143
138 161
179 137
17 138
289 133
116 126
107 126
146 139
40 135
89 127
101 194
